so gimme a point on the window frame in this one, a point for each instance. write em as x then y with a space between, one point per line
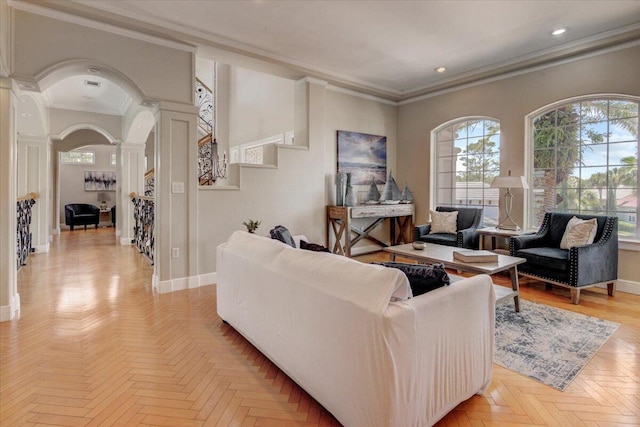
433 166
63 162
625 243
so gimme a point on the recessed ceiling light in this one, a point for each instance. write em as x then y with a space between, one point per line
440 70
558 31
94 70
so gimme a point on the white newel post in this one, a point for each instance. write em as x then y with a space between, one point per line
9 298
33 173
131 161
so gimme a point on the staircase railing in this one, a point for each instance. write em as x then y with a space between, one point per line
24 237
143 229
205 101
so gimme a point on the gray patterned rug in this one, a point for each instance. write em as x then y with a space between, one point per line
547 344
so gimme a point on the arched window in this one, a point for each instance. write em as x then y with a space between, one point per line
467 158
584 159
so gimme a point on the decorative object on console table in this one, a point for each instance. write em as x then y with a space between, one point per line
471 255
339 223
391 194
373 196
509 182
349 195
363 155
407 197
341 177
103 198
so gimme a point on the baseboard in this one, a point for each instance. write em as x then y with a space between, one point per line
56 230
182 283
42 248
627 286
8 312
126 241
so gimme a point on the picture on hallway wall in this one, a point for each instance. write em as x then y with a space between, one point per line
364 156
99 181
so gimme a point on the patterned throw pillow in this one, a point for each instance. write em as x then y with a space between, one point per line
579 232
313 247
422 278
444 222
281 233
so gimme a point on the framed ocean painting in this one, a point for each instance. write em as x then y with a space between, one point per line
364 156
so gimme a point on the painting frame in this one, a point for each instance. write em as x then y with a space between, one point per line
99 181
363 155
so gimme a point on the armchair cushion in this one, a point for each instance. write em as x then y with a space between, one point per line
579 232
444 222
547 257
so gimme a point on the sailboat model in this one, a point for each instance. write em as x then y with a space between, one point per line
391 194
407 197
373 195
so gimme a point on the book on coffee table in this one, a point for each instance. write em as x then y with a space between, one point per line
470 255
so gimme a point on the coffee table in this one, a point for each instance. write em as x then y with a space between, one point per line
433 253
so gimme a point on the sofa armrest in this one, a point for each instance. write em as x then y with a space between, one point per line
421 230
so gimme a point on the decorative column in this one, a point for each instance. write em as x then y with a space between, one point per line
131 164
176 197
33 177
9 297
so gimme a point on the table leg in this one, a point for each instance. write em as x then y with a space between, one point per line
513 272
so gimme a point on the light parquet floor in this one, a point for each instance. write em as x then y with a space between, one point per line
94 346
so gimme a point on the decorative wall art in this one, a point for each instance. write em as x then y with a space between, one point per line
99 181
364 156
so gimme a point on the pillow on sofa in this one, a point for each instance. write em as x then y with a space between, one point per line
444 222
422 278
579 232
313 247
281 233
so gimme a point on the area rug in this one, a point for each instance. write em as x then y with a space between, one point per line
547 344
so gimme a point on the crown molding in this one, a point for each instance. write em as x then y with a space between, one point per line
366 96
97 25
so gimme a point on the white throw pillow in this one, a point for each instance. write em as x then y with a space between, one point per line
444 222
579 232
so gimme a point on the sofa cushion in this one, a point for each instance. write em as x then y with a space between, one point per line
422 278
555 258
313 247
443 222
579 232
281 233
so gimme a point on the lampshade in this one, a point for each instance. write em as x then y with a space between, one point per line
509 182
104 197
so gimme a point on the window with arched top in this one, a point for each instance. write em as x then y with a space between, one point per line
467 158
584 159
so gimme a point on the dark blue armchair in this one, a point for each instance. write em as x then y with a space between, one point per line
468 222
576 268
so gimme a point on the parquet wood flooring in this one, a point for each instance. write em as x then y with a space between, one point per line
94 346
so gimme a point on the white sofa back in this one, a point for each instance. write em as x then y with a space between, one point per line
329 322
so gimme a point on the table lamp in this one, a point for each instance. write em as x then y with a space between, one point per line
509 182
103 198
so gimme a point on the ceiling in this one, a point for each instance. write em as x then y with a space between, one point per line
386 48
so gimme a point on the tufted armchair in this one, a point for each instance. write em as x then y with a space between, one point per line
81 214
575 268
468 222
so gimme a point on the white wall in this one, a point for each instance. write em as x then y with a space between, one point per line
72 179
296 193
260 106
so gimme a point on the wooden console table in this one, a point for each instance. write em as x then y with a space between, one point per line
339 221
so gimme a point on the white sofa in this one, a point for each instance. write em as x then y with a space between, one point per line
351 335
